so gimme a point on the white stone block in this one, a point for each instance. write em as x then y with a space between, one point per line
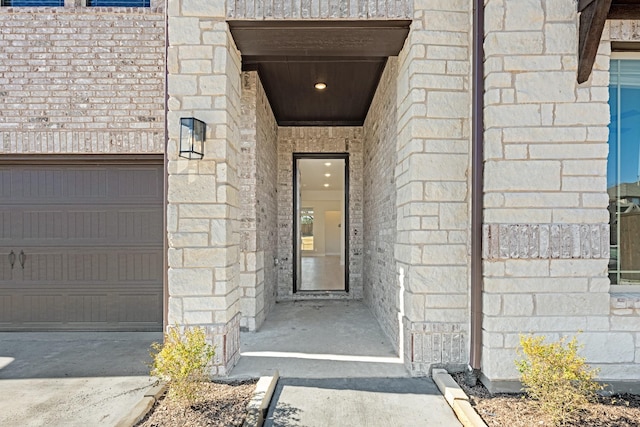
190 281
522 63
192 189
454 216
517 305
523 15
202 210
182 85
584 183
213 85
444 254
205 8
491 304
543 175
535 285
198 318
584 167
448 105
561 38
538 200
438 279
204 303
572 304
438 167
514 43
526 267
582 114
578 267
609 347
182 240
205 257
545 134
184 30
512 115
551 86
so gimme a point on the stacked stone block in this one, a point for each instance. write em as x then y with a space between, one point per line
82 80
432 185
546 233
258 228
203 211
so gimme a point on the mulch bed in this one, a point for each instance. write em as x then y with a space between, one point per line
222 404
516 410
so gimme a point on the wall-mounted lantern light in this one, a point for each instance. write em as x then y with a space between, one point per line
192 132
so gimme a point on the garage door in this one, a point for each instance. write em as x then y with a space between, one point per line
81 246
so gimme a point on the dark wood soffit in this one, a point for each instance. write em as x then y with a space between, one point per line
625 9
320 38
290 56
593 15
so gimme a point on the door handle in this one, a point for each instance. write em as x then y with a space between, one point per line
22 258
12 258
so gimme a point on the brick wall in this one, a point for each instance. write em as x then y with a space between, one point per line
82 80
319 140
319 9
381 290
258 223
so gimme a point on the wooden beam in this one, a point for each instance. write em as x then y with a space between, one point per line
627 10
592 20
583 4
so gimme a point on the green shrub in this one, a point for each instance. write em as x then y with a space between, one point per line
554 375
183 361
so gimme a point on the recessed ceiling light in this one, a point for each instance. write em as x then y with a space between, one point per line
327 175
320 86
328 164
326 185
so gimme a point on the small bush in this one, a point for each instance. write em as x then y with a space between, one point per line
183 361
555 376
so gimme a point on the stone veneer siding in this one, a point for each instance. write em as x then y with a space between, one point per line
319 140
546 233
381 290
259 209
203 196
432 183
82 80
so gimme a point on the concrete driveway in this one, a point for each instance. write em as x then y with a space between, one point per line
72 378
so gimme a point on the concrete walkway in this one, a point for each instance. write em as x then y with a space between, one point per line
72 378
337 368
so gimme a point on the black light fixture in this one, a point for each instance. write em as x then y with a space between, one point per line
192 134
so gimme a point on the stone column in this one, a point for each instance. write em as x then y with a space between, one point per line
432 180
202 214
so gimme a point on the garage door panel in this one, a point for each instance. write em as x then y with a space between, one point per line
42 267
139 226
134 183
87 308
6 309
139 307
140 266
93 241
39 308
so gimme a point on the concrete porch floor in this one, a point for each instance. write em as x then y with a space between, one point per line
337 368
319 339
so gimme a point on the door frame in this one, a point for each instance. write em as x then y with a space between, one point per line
296 219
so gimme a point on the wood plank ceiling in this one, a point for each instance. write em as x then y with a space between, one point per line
593 15
292 56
